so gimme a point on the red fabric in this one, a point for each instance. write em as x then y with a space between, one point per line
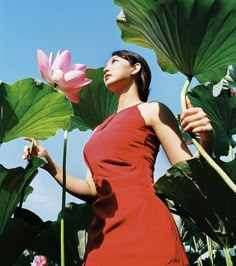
132 227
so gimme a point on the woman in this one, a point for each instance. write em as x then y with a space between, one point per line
132 227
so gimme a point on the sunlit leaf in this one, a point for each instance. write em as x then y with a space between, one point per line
33 109
12 183
194 37
201 192
221 111
96 102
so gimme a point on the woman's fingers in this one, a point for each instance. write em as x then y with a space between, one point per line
195 120
198 126
26 153
188 103
35 149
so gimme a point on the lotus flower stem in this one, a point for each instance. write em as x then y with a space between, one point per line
63 203
227 257
200 149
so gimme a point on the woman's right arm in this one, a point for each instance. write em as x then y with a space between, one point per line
83 189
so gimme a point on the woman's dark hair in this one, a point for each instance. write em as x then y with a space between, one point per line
144 75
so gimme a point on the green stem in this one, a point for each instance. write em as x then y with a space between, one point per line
210 251
199 259
23 190
63 203
227 257
214 165
22 197
183 93
200 149
231 153
1 113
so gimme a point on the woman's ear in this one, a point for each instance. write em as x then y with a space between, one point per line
136 68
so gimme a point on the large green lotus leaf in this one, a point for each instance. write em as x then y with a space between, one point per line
221 111
186 227
12 183
197 189
195 37
96 103
77 218
27 231
33 109
17 235
231 77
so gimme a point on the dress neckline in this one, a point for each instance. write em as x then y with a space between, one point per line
129 107
112 116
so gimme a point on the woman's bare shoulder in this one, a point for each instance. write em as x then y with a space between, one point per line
153 112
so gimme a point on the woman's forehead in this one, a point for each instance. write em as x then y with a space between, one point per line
115 57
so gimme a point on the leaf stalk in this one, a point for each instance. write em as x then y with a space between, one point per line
63 202
198 146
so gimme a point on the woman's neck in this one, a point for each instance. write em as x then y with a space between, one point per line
125 101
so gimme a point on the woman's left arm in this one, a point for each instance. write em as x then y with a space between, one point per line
164 123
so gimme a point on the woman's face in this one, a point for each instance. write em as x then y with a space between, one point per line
118 73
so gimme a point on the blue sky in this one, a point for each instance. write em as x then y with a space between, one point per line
88 29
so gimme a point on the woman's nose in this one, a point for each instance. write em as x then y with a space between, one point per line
105 70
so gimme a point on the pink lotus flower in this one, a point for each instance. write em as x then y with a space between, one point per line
61 75
40 261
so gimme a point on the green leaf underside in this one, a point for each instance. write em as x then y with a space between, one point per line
27 231
196 188
221 111
96 103
12 182
77 219
32 109
196 38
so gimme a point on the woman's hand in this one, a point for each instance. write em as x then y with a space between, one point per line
195 120
35 149
81 188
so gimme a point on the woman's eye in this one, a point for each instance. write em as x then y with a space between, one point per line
114 60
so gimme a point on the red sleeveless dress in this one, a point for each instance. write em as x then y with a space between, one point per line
132 227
